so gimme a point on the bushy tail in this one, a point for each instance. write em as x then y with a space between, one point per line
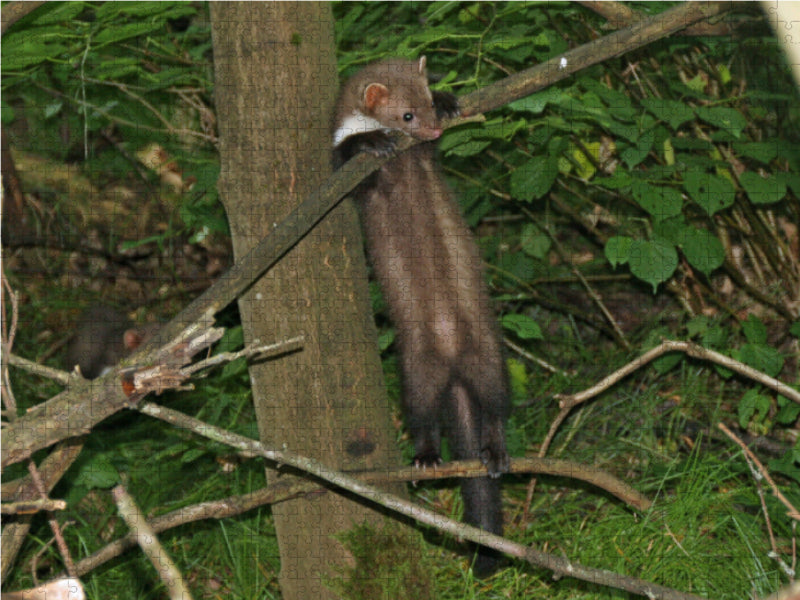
483 508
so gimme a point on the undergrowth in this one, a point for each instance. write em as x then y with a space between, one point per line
667 179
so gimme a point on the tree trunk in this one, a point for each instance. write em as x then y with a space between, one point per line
275 88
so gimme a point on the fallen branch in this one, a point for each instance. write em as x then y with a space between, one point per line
567 402
146 538
86 403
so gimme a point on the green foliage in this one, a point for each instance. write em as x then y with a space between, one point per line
78 74
658 168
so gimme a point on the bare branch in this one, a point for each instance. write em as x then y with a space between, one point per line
146 538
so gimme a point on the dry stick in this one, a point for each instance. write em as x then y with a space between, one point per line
559 565
29 507
7 336
618 43
287 489
57 375
55 526
534 359
793 512
51 470
60 589
167 571
568 401
759 471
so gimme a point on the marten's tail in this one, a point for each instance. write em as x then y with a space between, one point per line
476 430
483 508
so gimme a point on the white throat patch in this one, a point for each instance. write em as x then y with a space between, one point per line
354 123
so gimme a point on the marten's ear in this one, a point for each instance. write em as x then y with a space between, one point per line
422 62
375 95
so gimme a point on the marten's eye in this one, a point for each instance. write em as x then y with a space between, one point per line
408 117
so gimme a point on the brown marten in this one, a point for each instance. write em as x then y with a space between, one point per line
429 268
102 338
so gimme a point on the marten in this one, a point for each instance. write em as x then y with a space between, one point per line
429 267
102 338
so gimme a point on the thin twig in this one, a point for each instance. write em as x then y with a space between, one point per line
55 526
148 541
792 512
29 507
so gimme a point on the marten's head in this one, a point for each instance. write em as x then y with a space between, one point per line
399 98
391 94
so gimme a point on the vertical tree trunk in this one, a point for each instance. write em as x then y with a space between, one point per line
275 88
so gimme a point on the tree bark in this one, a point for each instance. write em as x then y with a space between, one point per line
275 89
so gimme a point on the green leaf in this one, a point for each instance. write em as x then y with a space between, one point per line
21 50
715 337
536 103
385 339
618 250
518 378
788 465
98 473
702 249
620 179
57 12
660 202
533 179
114 10
788 411
711 192
118 33
585 167
761 190
794 329
525 327
462 143
534 242
664 364
724 118
653 261
751 404
672 112
764 152
192 455
754 330
633 155
697 325
761 357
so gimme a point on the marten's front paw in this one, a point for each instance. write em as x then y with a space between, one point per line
446 105
496 460
428 459
378 143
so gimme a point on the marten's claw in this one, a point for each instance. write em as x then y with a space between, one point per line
446 105
429 459
496 461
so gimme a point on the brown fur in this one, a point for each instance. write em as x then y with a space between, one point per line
102 338
429 268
